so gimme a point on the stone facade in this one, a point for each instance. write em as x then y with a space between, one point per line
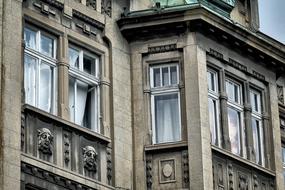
90 112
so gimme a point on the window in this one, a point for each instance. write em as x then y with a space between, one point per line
237 125
257 127
84 88
40 69
213 105
165 103
235 116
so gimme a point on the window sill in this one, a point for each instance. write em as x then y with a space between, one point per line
29 108
244 161
163 147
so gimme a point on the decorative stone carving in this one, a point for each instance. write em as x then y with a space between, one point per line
231 173
22 131
45 141
90 158
91 3
280 94
149 172
106 7
161 49
185 169
167 172
255 182
237 65
243 182
66 143
216 54
109 166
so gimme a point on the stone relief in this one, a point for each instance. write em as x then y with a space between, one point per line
243 183
45 141
91 3
149 172
106 7
90 158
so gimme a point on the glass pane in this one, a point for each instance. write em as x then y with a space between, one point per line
167 118
211 81
255 100
80 100
173 75
165 76
256 139
213 120
283 155
47 46
45 87
89 65
73 57
233 91
30 80
234 130
30 38
72 98
175 2
90 112
156 77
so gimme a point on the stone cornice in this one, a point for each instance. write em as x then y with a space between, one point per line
197 18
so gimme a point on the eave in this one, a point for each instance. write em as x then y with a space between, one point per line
148 24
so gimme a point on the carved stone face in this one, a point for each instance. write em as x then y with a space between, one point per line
45 140
90 156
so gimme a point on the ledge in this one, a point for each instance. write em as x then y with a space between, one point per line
166 147
58 172
242 160
29 108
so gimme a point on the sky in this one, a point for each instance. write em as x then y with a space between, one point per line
272 18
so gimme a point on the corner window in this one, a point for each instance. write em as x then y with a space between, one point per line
84 88
165 103
40 69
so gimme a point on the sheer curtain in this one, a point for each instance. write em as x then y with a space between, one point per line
45 87
167 118
30 79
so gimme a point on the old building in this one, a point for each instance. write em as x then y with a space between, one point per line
140 94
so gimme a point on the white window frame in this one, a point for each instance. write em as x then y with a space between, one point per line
257 115
214 96
238 106
51 61
92 80
163 90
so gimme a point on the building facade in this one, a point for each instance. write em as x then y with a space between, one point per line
140 94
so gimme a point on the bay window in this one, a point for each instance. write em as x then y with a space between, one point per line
40 69
84 88
165 103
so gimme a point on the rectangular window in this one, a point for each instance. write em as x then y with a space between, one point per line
213 106
165 103
257 127
235 116
84 88
39 70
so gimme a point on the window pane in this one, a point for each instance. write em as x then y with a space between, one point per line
80 100
256 139
73 57
30 80
173 75
156 77
167 118
45 87
212 81
47 46
213 120
30 38
72 98
234 130
165 76
283 155
89 65
233 91
90 114
255 100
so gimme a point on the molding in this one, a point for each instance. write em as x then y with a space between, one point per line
54 3
162 49
88 19
166 147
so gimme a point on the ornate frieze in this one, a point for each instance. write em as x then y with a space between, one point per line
88 19
231 177
280 93
109 166
66 147
45 9
216 54
90 158
237 65
162 49
257 75
91 3
106 7
45 141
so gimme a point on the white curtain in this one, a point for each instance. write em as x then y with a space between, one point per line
45 87
82 89
167 118
30 79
